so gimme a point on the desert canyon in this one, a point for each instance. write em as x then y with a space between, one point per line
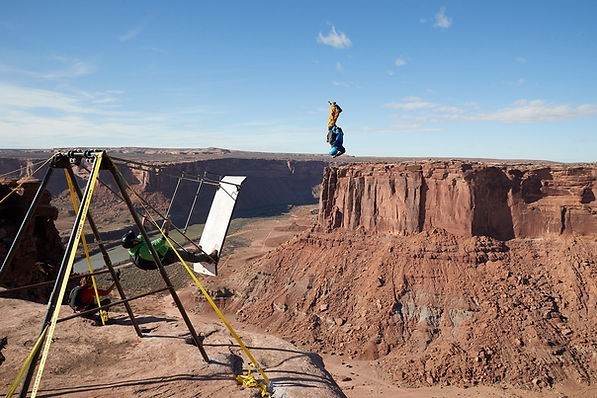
361 276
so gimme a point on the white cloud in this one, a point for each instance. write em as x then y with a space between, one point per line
340 84
521 60
442 20
400 62
339 67
409 106
33 117
69 68
131 34
334 39
73 68
30 98
415 104
537 111
521 111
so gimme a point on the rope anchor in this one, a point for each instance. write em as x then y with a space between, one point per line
249 381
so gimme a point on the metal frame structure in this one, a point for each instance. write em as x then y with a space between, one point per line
66 161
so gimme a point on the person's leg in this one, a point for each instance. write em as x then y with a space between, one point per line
170 258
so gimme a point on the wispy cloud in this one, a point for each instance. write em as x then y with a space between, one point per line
334 39
520 60
442 20
73 67
339 67
400 62
131 34
67 68
416 103
33 117
340 84
21 98
521 111
532 111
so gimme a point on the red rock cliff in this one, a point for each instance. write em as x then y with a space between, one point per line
445 273
40 252
464 198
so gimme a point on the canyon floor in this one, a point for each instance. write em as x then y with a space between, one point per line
112 361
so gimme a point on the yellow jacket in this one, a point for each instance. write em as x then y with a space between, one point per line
334 113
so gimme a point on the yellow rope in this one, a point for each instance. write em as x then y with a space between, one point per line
209 300
69 265
75 200
25 365
249 381
24 181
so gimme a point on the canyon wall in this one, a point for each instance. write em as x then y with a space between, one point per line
464 198
271 187
38 257
443 273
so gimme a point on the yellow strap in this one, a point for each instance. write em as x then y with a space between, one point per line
25 365
249 381
203 290
75 200
69 266
24 181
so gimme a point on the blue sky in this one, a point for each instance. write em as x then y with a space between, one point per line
483 79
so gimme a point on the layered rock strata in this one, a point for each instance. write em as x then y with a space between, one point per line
466 199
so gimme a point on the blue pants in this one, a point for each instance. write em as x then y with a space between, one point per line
337 150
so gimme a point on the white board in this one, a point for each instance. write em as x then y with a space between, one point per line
218 221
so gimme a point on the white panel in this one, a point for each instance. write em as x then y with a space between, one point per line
218 221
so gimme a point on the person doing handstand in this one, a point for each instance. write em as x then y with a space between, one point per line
335 136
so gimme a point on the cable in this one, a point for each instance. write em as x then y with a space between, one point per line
159 169
146 204
25 180
21 169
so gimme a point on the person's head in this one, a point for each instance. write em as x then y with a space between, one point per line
85 281
129 240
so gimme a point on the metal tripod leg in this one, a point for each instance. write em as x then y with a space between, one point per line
106 256
196 338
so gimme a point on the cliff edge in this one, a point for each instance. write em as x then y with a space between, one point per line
442 273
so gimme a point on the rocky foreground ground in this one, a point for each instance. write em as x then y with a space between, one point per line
421 279
111 361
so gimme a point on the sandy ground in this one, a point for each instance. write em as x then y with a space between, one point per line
112 361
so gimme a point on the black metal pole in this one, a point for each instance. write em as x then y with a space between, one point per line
33 285
193 205
105 255
102 307
196 338
61 274
173 197
25 224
